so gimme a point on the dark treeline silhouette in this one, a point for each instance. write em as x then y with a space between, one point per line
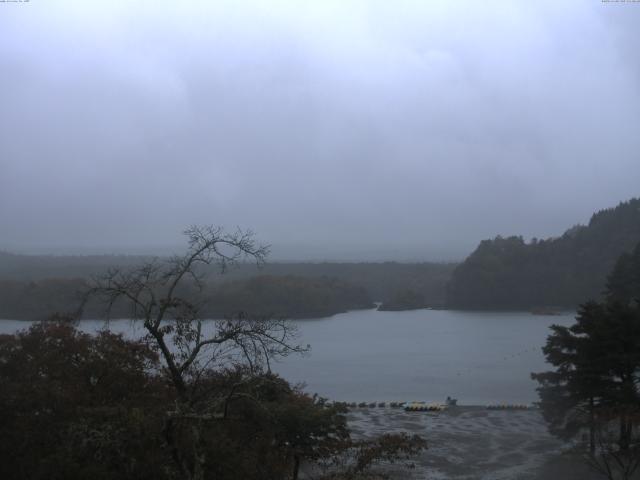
407 299
287 296
33 286
382 281
39 267
509 273
29 300
273 296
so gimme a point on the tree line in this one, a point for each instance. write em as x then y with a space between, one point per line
510 273
33 286
503 273
262 295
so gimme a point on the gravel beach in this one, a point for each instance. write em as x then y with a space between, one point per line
475 443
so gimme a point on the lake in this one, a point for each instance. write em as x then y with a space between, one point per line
367 355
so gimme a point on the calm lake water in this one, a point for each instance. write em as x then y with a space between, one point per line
366 355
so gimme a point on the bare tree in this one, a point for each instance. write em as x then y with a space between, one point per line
160 294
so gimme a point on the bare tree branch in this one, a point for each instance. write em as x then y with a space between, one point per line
152 293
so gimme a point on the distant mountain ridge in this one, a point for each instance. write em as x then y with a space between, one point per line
509 273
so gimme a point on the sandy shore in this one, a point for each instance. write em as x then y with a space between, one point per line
476 443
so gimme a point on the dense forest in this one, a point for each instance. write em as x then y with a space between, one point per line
31 287
286 296
510 273
407 299
382 281
272 296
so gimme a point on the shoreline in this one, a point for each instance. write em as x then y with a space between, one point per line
475 443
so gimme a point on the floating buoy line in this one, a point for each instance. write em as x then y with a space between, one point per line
429 407
510 406
424 407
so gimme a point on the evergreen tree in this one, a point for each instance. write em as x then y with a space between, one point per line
509 273
597 363
623 284
570 395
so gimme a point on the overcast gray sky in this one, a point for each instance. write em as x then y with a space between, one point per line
334 129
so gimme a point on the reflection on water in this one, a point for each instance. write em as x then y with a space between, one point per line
366 355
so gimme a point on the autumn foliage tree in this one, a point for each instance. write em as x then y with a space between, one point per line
74 405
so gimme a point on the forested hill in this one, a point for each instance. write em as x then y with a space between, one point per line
278 297
33 287
509 273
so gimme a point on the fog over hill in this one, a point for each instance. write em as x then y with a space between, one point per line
405 130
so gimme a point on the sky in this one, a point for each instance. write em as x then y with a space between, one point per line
334 129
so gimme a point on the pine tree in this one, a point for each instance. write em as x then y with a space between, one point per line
597 362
